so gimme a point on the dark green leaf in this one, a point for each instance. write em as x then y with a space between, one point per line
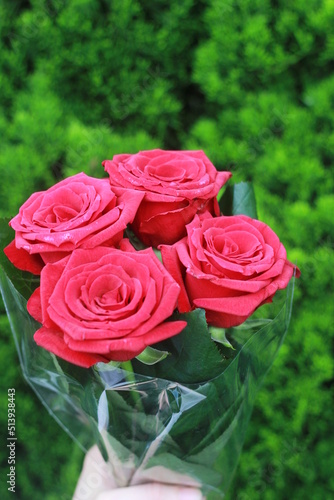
134 240
239 200
151 356
219 335
195 357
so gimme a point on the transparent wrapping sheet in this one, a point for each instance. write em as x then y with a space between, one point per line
151 428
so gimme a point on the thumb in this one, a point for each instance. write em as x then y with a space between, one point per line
152 491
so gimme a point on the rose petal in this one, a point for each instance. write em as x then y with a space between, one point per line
23 260
52 340
34 305
172 263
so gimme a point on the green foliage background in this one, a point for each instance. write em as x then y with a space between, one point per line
248 81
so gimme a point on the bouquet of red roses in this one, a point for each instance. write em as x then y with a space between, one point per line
152 314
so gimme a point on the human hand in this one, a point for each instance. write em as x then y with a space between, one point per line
96 482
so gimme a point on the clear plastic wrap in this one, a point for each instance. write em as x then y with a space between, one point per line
152 428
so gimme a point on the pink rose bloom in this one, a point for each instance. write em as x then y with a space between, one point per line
228 266
104 304
177 186
78 212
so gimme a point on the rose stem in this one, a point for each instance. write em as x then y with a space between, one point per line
130 377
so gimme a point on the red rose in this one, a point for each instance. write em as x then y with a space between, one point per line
177 185
78 212
228 266
104 304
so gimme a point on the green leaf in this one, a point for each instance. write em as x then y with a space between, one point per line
194 356
63 380
90 398
253 323
151 356
157 253
105 367
239 200
219 335
134 240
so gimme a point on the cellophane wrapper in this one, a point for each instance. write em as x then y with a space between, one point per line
153 429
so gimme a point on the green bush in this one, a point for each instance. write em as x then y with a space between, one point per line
250 83
269 117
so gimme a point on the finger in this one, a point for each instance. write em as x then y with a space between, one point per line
152 491
95 477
